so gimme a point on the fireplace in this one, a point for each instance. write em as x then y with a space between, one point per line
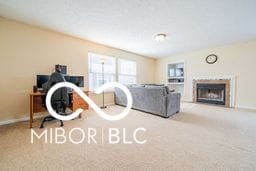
211 93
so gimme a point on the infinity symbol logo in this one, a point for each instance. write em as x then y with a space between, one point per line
89 101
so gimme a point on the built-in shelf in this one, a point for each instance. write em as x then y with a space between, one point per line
176 77
176 83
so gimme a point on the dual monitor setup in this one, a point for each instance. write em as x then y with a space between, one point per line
77 80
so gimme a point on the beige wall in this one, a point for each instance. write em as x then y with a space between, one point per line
237 60
26 51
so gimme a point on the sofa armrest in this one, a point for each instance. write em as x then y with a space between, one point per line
173 103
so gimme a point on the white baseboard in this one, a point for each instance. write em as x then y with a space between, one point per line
11 121
245 107
237 106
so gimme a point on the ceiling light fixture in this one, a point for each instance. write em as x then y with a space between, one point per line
160 37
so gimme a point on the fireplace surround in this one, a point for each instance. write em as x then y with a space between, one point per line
212 91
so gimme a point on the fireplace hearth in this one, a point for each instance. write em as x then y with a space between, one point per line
211 93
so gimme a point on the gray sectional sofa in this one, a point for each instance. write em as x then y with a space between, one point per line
155 99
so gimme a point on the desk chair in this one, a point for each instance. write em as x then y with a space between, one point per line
59 102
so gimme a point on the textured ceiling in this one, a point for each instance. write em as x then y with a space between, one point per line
131 24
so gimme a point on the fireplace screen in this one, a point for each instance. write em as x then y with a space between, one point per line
211 93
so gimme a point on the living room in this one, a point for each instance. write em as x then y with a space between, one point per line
187 65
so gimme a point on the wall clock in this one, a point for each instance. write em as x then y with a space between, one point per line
211 59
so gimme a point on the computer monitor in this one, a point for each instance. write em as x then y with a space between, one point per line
77 80
41 79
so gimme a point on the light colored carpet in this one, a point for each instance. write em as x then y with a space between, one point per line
201 137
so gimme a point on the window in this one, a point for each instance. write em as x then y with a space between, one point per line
127 71
95 70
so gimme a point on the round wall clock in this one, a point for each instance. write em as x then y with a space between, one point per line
211 59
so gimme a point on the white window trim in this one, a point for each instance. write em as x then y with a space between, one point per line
89 72
117 66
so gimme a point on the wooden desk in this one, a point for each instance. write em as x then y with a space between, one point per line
36 104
